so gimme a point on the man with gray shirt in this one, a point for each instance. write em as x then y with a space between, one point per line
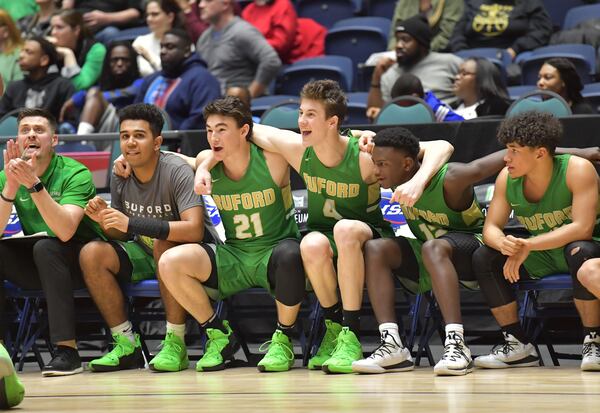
435 70
236 52
157 206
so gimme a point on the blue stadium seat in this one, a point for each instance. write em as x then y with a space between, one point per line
591 92
515 92
579 14
557 9
326 12
383 24
357 109
295 76
397 112
499 57
381 8
131 34
540 100
531 66
261 104
283 115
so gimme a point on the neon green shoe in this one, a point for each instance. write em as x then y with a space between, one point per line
173 355
347 350
220 347
332 330
11 389
280 355
124 355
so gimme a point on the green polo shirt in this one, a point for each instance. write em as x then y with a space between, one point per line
69 183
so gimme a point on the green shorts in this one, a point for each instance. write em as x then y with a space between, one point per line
143 265
542 263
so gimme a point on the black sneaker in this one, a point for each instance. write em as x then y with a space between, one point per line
65 362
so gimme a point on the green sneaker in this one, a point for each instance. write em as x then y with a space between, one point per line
125 355
173 355
348 349
332 330
280 354
220 347
11 389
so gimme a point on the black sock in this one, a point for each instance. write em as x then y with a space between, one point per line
352 321
215 323
587 331
516 331
333 313
287 330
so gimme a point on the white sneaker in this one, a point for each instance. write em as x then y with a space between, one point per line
456 360
512 353
389 356
590 360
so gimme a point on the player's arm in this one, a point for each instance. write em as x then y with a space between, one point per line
592 153
190 228
582 181
284 142
497 216
94 210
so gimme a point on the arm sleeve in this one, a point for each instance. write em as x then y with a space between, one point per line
540 28
125 95
204 91
78 189
261 54
91 69
453 11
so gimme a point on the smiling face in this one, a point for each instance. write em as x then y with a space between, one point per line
36 138
393 166
313 122
224 136
138 145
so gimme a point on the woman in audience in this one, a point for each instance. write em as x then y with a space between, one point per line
10 46
480 88
38 24
82 55
161 16
442 16
560 76
514 25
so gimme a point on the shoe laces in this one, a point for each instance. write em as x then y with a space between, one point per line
343 344
329 339
276 348
591 349
60 355
454 348
388 346
212 344
506 348
169 348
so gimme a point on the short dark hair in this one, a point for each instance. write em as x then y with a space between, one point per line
144 111
43 113
47 48
398 138
182 34
232 107
568 74
330 94
407 84
533 129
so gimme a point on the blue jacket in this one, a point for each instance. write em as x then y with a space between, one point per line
182 98
442 112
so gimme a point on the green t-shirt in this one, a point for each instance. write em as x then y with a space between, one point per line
69 183
431 217
256 213
340 192
20 8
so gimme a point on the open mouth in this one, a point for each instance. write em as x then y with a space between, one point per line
306 133
217 149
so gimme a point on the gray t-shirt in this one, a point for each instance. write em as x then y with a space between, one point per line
436 72
164 197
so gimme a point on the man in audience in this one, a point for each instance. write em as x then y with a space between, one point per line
236 53
39 89
435 70
183 87
49 193
158 206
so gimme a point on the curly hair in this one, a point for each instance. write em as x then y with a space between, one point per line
532 129
398 138
232 107
330 94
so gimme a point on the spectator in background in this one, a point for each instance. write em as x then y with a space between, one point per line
119 84
236 53
480 89
38 24
514 25
194 25
435 70
161 15
184 86
560 76
442 16
410 85
18 9
107 17
10 45
82 55
292 38
39 89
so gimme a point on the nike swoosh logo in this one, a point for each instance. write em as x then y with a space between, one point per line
23 199
515 205
215 180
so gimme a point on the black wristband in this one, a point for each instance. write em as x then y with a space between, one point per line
6 199
375 85
150 227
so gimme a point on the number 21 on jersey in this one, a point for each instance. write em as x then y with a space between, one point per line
243 223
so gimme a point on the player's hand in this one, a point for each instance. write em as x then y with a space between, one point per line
592 154
94 207
372 112
365 141
112 218
121 167
383 64
202 182
514 262
408 193
510 245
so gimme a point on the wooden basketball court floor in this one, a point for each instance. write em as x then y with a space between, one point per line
244 390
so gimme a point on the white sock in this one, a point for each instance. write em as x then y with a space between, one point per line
85 128
457 328
392 329
126 329
177 329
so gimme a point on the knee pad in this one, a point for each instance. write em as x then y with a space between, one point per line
576 253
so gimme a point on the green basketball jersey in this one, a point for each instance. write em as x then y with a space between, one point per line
553 210
340 192
256 213
431 218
